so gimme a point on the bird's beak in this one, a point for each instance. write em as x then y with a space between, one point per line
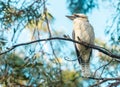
70 17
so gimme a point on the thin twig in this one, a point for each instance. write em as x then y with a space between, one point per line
50 35
68 59
115 84
47 22
103 80
105 66
98 83
102 66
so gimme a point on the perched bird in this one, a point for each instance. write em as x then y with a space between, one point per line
83 30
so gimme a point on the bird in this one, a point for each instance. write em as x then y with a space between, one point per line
83 31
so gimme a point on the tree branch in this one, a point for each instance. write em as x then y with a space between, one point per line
101 49
102 80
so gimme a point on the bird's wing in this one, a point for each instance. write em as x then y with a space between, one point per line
91 34
90 54
77 52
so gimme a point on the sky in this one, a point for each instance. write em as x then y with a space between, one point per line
98 18
58 8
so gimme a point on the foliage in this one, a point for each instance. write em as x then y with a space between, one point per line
113 28
114 49
40 23
41 63
18 72
81 6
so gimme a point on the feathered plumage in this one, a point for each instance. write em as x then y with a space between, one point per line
82 30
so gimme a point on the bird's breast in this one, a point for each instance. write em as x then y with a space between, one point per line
84 31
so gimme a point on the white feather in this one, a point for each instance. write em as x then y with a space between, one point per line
83 29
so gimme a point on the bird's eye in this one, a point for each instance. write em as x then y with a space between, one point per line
76 15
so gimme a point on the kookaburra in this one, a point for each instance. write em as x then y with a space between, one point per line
82 30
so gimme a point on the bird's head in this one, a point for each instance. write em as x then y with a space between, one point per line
80 16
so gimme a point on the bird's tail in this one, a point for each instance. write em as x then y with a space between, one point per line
85 69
